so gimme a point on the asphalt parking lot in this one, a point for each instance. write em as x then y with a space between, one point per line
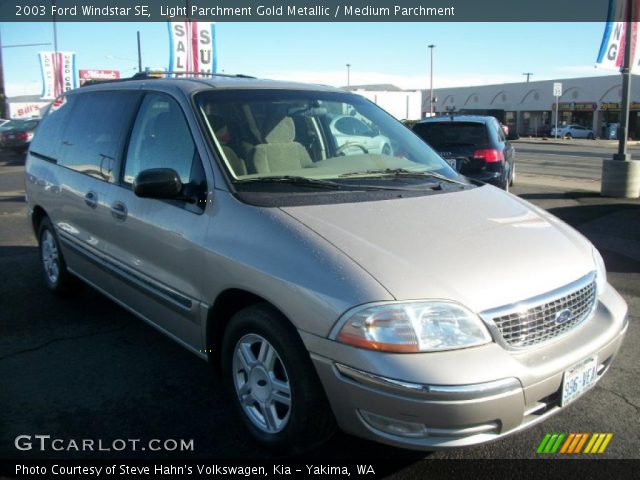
85 368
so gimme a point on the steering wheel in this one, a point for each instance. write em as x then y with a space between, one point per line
342 148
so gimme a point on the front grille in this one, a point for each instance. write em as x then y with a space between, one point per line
539 323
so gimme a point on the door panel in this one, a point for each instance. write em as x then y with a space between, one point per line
156 244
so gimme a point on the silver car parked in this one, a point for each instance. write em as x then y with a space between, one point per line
380 292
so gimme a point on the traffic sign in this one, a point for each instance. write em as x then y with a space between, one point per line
557 89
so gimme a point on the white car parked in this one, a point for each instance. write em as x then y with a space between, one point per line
573 131
354 136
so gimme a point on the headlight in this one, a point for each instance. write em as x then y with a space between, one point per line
601 271
425 326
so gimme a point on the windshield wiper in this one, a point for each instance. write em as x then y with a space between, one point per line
315 183
402 172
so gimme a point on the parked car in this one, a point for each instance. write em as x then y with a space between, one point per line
354 136
386 294
18 134
476 146
572 131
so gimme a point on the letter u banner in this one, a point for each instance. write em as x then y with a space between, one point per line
574 443
192 47
611 54
58 73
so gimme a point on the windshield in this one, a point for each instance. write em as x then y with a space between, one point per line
263 134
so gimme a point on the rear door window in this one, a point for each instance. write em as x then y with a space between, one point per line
97 128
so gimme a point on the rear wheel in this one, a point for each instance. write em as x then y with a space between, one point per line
54 268
568 136
272 381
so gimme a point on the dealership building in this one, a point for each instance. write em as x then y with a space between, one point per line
528 108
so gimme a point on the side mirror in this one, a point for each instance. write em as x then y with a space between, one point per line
157 183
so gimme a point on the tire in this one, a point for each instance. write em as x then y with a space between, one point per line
272 382
386 149
513 175
590 136
568 136
54 269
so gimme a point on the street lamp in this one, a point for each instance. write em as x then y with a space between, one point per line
348 74
431 47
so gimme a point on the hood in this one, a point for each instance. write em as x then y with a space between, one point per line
481 247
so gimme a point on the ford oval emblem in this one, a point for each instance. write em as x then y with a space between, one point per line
563 316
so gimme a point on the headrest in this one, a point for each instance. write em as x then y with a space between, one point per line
284 131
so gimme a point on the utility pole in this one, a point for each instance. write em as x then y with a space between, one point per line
348 74
528 74
621 175
431 47
4 111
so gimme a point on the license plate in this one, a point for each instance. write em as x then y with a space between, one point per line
452 162
578 379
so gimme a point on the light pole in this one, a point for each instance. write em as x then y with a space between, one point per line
348 74
431 47
528 74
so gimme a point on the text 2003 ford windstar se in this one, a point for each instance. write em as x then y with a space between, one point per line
329 284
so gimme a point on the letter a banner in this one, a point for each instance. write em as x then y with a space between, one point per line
58 73
611 54
192 47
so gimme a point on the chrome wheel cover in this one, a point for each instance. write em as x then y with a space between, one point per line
261 383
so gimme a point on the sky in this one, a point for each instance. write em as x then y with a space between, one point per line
396 53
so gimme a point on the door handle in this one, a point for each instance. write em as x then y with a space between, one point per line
119 211
91 199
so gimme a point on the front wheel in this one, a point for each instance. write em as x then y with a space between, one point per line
272 381
568 136
590 136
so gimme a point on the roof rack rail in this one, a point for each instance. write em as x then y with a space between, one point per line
151 74
157 73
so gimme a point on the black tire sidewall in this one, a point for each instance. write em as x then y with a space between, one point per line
307 397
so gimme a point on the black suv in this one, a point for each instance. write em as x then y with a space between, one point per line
476 146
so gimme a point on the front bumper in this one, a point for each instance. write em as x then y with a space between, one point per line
459 398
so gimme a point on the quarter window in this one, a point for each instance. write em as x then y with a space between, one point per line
48 140
92 141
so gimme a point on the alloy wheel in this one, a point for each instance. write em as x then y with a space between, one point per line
261 383
50 257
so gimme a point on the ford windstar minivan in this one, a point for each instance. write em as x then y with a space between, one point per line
329 282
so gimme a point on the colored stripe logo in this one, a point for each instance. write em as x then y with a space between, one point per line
574 443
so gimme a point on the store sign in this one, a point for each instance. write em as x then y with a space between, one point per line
86 75
25 109
616 106
576 106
